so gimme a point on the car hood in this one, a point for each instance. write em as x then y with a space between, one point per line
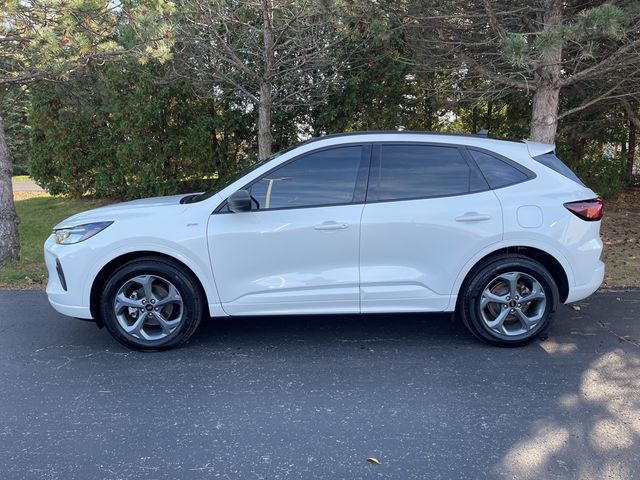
113 212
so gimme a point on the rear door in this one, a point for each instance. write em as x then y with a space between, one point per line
428 211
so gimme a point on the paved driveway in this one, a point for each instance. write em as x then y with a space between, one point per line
26 186
313 397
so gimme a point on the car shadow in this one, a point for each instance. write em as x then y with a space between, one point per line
317 329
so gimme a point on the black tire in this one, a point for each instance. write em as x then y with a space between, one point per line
483 277
191 306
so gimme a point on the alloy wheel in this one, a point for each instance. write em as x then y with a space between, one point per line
148 307
512 304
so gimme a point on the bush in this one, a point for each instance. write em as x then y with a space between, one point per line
603 174
119 133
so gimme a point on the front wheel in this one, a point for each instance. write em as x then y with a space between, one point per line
151 304
509 301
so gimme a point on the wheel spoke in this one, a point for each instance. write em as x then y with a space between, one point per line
526 322
146 282
512 278
488 297
172 297
167 325
498 322
136 328
536 293
122 301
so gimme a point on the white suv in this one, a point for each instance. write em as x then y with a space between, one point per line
499 231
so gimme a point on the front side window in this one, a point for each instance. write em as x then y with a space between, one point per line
326 177
420 171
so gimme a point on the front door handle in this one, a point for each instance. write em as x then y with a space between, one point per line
473 217
331 226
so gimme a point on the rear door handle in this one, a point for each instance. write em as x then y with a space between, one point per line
331 226
473 217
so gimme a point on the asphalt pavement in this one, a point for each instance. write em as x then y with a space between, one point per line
314 397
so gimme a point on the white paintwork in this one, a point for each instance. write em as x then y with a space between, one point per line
412 250
537 148
287 261
410 255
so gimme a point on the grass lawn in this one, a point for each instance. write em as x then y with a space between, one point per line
38 213
21 177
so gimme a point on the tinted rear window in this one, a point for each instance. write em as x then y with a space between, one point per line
497 172
418 171
554 163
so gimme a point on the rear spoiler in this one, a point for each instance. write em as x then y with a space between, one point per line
537 148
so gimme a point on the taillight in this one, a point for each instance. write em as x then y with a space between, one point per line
589 210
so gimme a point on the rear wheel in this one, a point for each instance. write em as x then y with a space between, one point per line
151 304
509 300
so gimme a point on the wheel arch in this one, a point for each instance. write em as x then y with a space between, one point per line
115 263
549 261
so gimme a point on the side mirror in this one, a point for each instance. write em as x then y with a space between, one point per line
239 201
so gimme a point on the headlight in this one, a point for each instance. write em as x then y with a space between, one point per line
79 233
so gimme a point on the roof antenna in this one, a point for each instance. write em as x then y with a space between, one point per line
483 133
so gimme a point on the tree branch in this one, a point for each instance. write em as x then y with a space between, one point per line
493 20
633 117
608 63
491 76
593 101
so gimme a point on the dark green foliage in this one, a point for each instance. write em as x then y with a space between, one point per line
14 103
119 133
600 169
603 174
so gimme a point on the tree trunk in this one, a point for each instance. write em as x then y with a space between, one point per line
488 117
265 139
474 119
544 114
9 239
631 152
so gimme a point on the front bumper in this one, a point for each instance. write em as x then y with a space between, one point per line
71 300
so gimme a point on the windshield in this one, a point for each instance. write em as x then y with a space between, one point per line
229 179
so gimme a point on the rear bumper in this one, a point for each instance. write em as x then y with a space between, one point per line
578 292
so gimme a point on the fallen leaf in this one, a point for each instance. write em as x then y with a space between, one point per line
576 307
374 460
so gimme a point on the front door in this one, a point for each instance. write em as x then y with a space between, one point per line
297 250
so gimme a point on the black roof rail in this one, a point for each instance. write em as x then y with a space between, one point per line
483 133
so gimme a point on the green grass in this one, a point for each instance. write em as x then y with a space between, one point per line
38 214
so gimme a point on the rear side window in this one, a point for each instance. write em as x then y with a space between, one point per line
554 163
418 171
498 173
